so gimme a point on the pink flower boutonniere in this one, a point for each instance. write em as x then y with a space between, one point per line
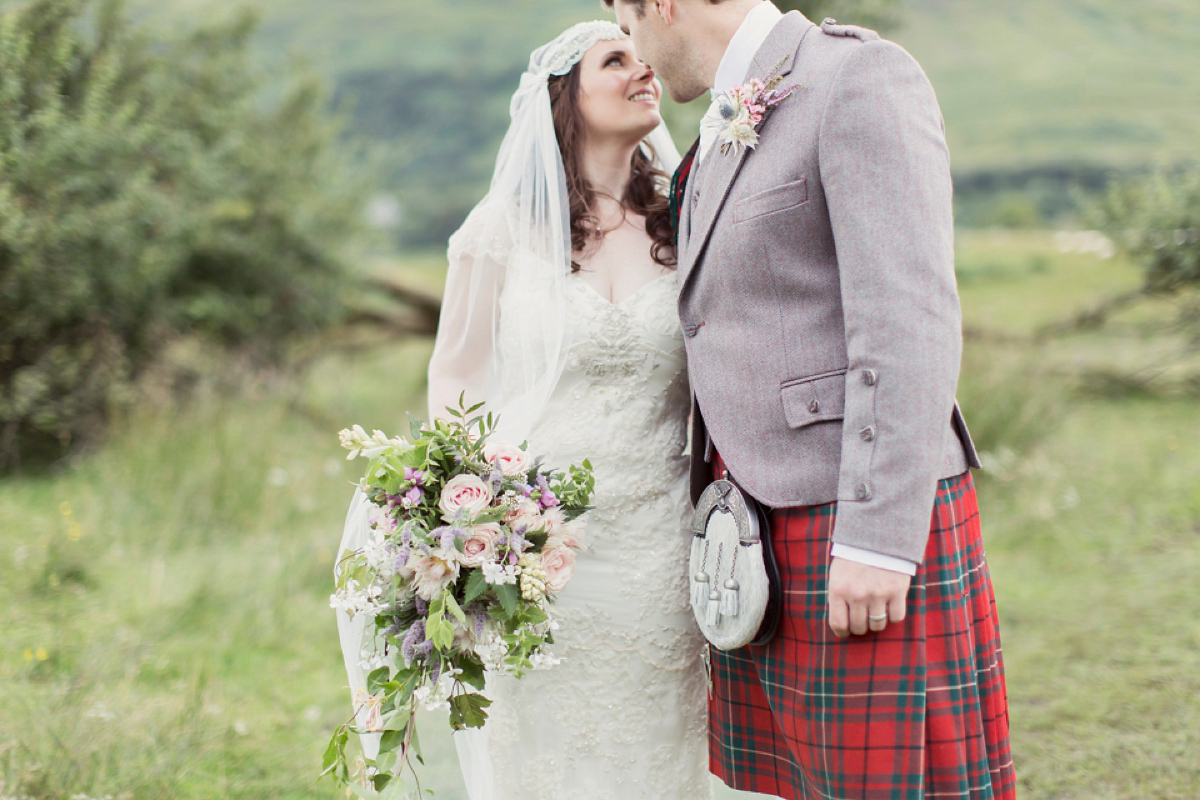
735 116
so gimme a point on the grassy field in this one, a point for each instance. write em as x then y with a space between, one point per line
164 597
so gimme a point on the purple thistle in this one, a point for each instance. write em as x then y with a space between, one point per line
413 496
421 606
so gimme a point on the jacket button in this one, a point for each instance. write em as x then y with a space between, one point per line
867 434
814 406
862 492
870 376
691 330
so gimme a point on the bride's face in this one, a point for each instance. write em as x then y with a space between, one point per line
618 94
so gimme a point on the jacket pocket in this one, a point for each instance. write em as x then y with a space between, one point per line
781 198
817 398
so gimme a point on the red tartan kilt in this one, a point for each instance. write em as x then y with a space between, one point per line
917 710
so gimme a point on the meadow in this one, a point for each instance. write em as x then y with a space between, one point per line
164 596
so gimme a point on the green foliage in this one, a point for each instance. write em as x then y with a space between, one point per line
1157 220
145 192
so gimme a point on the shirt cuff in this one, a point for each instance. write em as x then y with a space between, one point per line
873 559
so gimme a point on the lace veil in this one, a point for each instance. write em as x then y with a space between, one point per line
517 242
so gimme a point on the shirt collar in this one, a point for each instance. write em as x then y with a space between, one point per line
754 30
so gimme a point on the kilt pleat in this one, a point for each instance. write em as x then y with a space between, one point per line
918 710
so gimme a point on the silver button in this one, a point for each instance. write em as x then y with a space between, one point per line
862 492
870 376
867 434
814 406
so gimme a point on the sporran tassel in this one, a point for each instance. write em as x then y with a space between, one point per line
729 598
714 609
699 589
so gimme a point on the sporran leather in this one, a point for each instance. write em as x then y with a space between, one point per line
736 593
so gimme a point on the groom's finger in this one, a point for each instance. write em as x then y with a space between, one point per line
877 615
858 617
839 617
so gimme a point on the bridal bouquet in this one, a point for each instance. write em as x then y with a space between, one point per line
469 540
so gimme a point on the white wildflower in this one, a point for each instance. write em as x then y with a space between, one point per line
499 574
437 697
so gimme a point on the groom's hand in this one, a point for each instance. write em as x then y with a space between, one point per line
858 592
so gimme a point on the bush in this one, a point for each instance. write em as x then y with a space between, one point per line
146 192
1156 219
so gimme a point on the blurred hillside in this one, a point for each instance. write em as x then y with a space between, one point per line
1036 96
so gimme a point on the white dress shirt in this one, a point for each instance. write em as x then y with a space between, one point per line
732 71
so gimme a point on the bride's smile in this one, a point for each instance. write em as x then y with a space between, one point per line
618 93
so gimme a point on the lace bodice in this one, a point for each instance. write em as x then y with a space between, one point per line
623 717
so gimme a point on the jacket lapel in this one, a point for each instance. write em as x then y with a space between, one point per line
716 172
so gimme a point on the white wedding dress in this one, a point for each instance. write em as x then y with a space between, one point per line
623 716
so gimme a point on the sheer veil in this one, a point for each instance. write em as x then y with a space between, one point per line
516 240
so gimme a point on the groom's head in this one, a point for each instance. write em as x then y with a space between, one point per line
683 40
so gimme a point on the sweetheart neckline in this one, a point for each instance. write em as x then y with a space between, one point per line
628 298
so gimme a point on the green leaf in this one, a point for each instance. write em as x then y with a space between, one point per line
472 672
537 538
508 596
467 711
381 781
376 679
455 608
476 586
334 761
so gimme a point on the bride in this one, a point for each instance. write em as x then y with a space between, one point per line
559 311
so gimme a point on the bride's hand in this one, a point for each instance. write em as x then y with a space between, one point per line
858 592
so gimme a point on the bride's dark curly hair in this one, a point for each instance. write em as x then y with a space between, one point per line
644 195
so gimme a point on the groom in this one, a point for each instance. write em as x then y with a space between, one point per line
823 333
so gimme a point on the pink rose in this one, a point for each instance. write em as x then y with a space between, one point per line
559 563
508 458
553 521
480 545
526 515
569 534
432 572
464 493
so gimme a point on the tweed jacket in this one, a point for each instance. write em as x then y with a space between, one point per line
818 297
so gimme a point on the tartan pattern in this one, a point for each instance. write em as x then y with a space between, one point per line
679 185
916 711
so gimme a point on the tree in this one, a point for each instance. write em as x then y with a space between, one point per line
145 192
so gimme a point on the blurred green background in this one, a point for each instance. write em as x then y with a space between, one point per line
220 242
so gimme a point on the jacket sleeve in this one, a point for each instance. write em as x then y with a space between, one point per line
886 175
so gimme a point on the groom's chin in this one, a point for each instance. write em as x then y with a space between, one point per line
682 94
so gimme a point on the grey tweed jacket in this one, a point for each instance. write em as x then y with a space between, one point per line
818 297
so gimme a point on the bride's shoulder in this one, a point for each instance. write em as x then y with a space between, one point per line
487 231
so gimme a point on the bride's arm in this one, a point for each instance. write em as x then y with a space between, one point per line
464 353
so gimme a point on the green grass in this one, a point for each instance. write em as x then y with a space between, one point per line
164 597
